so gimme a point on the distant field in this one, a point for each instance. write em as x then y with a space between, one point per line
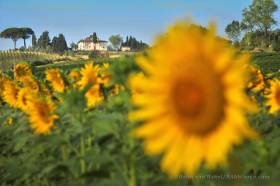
268 61
9 58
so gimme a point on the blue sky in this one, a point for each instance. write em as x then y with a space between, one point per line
77 19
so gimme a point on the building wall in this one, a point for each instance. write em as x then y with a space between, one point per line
92 46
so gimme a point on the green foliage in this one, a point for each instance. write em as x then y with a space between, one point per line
11 33
134 44
269 62
25 33
17 33
73 46
233 30
59 44
34 41
94 37
257 21
95 146
44 40
116 41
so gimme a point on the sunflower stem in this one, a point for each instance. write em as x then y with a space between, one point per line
82 152
132 181
63 152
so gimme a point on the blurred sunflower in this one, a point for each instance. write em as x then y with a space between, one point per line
94 96
257 81
3 79
191 99
30 83
117 89
21 70
41 115
106 66
54 76
105 79
9 121
134 86
89 75
10 93
45 90
23 97
274 97
74 75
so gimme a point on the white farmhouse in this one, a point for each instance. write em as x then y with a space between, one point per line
88 44
126 48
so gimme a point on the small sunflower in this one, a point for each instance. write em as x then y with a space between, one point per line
54 76
3 79
106 66
89 75
274 97
45 90
41 115
21 70
191 99
257 80
117 89
23 98
10 93
74 75
94 96
105 79
9 121
30 83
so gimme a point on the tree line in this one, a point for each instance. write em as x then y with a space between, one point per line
256 29
131 42
58 44
134 44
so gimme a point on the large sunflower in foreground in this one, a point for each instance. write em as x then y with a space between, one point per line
41 115
274 97
191 99
54 76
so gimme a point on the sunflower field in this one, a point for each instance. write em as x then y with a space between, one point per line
191 110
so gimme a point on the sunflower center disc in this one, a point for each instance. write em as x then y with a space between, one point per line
198 104
277 96
189 100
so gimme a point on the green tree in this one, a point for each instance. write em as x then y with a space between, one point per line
94 37
62 43
44 40
34 40
73 46
116 41
233 30
248 22
25 33
134 44
59 44
55 44
11 33
259 15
